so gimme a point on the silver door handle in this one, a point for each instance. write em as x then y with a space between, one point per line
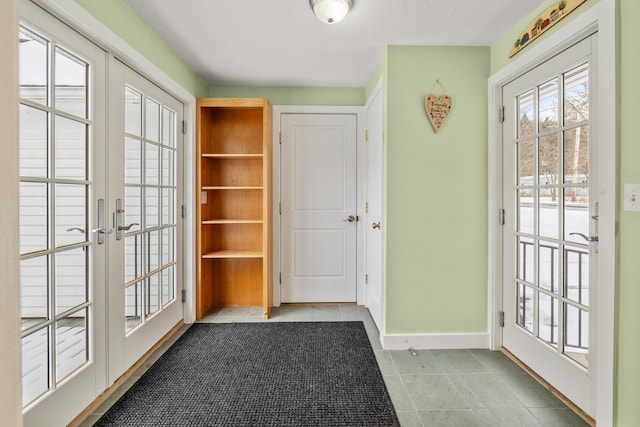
585 237
127 227
350 218
81 230
376 225
102 228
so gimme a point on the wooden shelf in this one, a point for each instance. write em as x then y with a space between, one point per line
243 187
233 156
234 221
227 254
231 221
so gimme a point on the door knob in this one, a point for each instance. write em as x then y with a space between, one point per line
376 225
350 218
127 227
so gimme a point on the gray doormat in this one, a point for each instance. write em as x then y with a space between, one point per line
261 374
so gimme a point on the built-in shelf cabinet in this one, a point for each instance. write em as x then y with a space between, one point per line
233 203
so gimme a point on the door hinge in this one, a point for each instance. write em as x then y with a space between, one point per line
184 127
280 138
366 207
501 318
280 208
280 278
184 295
501 114
366 279
184 211
366 135
501 216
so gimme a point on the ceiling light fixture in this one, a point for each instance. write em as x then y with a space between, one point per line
330 11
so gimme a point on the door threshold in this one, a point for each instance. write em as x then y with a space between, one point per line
586 417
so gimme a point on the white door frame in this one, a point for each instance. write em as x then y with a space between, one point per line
600 18
358 111
78 18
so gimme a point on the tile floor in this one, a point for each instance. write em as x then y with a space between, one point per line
434 388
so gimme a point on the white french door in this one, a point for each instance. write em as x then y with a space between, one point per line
145 179
318 193
550 238
62 179
100 233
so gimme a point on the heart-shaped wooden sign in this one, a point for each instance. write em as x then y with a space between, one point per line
437 109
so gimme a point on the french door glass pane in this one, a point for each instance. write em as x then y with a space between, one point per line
525 259
133 305
153 294
133 203
133 112
34 140
548 105
71 343
132 161
151 207
548 267
576 155
526 162
576 94
576 213
71 279
71 214
525 307
34 218
71 149
577 334
577 275
152 122
152 158
133 257
548 318
153 250
168 285
168 127
34 288
71 84
35 365
33 71
526 120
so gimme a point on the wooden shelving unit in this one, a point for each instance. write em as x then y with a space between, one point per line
233 203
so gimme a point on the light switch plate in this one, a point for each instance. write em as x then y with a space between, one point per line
632 197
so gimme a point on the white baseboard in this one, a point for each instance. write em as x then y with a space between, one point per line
434 341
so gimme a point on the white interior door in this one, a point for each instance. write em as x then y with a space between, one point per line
145 182
318 204
62 178
373 209
550 252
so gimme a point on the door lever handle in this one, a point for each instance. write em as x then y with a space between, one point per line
350 218
127 227
376 225
585 237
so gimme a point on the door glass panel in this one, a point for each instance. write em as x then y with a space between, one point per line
526 162
525 259
133 305
526 120
548 318
548 213
71 149
168 285
71 84
153 252
576 94
34 287
151 207
168 127
35 365
34 142
548 266
153 294
133 257
34 219
132 161
133 203
548 105
576 155
152 122
33 63
71 343
577 275
525 307
133 112
71 214
152 157
577 335
71 279
576 215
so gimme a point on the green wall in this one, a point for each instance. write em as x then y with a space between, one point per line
436 192
293 95
122 20
628 283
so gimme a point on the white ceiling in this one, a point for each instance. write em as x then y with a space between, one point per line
281 42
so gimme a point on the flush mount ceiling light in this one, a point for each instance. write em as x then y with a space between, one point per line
330 11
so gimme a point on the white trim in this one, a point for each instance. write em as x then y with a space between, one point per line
600 18
78 18
434 341
358 111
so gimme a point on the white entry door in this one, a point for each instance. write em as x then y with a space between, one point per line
373 208
144 199
550 237
318 203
